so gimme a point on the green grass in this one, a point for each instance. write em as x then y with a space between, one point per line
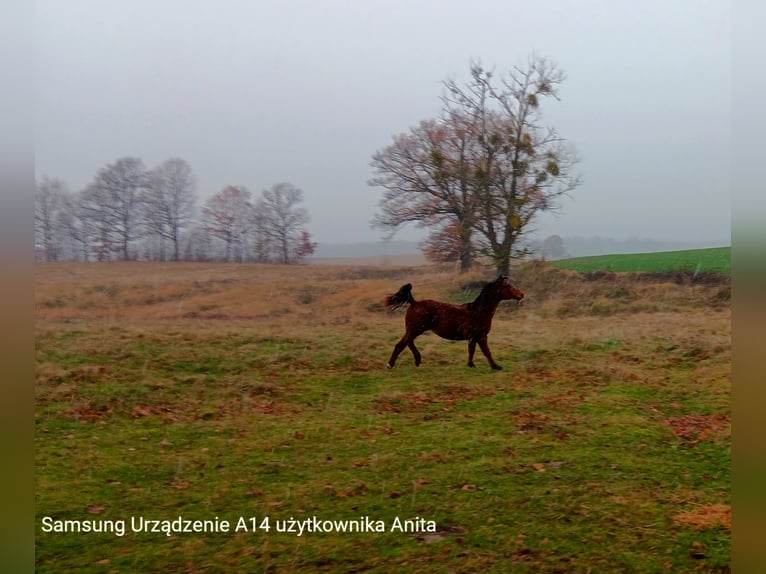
694 260
581 455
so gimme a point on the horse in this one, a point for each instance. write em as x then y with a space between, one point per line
470 321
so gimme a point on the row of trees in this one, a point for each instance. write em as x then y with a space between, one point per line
129 212
477 175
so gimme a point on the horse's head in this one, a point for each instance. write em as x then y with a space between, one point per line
508 290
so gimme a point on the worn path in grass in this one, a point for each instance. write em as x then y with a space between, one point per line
222 391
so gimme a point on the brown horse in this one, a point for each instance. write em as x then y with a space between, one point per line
470 321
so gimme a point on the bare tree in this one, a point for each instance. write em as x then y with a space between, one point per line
263 243
282 218
168 202
73 229
228 216
49 199
99 221
483 170
110 207
523 166
425 175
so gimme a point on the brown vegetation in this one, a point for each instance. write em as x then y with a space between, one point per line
193 388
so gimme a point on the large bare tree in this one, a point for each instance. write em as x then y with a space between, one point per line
524 166
425 177
110 206
49 201
228 215
168 203
281 218
484 169
73 229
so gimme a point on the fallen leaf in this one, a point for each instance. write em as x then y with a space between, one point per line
180 484
96 509
539 466
469 487
138 412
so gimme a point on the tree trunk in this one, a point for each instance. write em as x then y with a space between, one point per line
465 261
504 266
466 247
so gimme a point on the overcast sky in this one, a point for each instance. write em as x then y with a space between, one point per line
256 92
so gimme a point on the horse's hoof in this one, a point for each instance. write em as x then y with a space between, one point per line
471 365
389 365
497 368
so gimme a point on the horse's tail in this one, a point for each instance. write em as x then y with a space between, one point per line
401 297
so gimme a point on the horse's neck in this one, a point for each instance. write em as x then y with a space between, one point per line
485 307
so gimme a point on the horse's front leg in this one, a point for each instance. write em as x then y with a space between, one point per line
485 349
471 351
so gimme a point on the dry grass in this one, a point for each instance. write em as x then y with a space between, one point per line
254 389
708 516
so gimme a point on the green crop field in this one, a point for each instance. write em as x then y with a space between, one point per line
716 260
249 407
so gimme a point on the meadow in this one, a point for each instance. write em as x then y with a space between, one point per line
215 392
713 260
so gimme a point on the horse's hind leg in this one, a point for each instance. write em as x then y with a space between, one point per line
398 348
485 349
415 352
406 341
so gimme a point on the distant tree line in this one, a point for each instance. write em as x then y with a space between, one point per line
129 212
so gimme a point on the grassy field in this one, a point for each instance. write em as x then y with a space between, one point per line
226 392
716 260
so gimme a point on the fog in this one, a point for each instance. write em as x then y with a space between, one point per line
255 93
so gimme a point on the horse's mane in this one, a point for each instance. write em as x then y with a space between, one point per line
484 294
